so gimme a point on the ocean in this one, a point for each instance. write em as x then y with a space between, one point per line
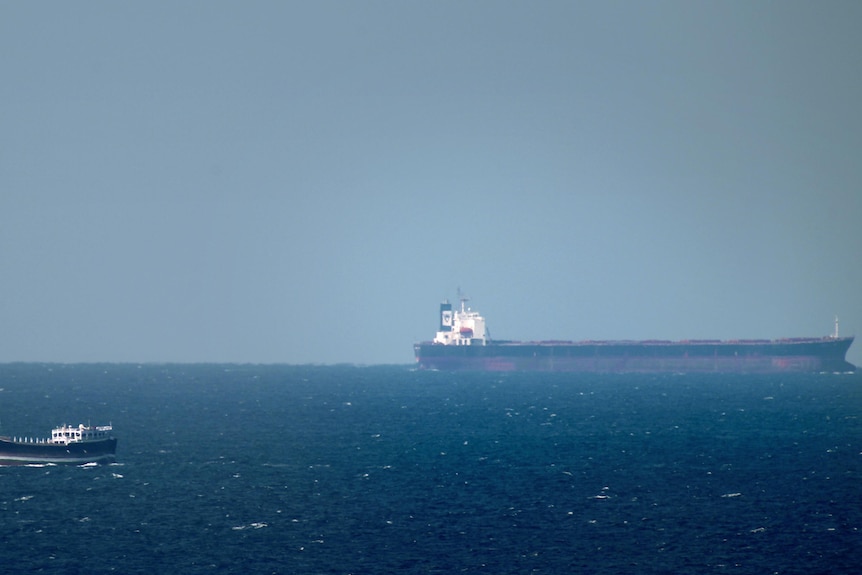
383 469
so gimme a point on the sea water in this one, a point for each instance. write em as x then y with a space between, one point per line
341 469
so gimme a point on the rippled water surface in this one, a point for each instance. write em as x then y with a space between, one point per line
288 469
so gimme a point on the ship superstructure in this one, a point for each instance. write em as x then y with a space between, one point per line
460 327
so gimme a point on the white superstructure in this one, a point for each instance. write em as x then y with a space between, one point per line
460 327
66 434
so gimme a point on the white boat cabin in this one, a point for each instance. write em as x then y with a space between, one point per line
66 434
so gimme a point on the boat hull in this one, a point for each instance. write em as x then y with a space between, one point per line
24 452
774 356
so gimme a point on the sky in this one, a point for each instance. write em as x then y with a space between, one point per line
305 182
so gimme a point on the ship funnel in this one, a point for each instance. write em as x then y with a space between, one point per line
445 316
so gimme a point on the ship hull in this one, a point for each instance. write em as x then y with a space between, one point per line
778 356
25 452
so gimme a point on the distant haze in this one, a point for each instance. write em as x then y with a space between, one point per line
304 182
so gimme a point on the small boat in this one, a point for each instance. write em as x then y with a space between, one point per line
67 444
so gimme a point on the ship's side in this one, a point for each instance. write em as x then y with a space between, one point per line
809 355
461 344
22 452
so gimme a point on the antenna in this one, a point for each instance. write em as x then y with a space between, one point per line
464 299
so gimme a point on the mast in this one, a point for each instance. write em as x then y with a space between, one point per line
464 299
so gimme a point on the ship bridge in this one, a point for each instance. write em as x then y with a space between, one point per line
66 434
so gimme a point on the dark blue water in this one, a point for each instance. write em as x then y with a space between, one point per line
279 469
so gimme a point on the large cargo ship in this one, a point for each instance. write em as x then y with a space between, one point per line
462 343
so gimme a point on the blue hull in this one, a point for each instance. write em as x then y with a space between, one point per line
761 356
25 452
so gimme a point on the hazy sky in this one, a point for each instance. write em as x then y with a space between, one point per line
304 182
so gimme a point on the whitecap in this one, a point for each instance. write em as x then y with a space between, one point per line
255 525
